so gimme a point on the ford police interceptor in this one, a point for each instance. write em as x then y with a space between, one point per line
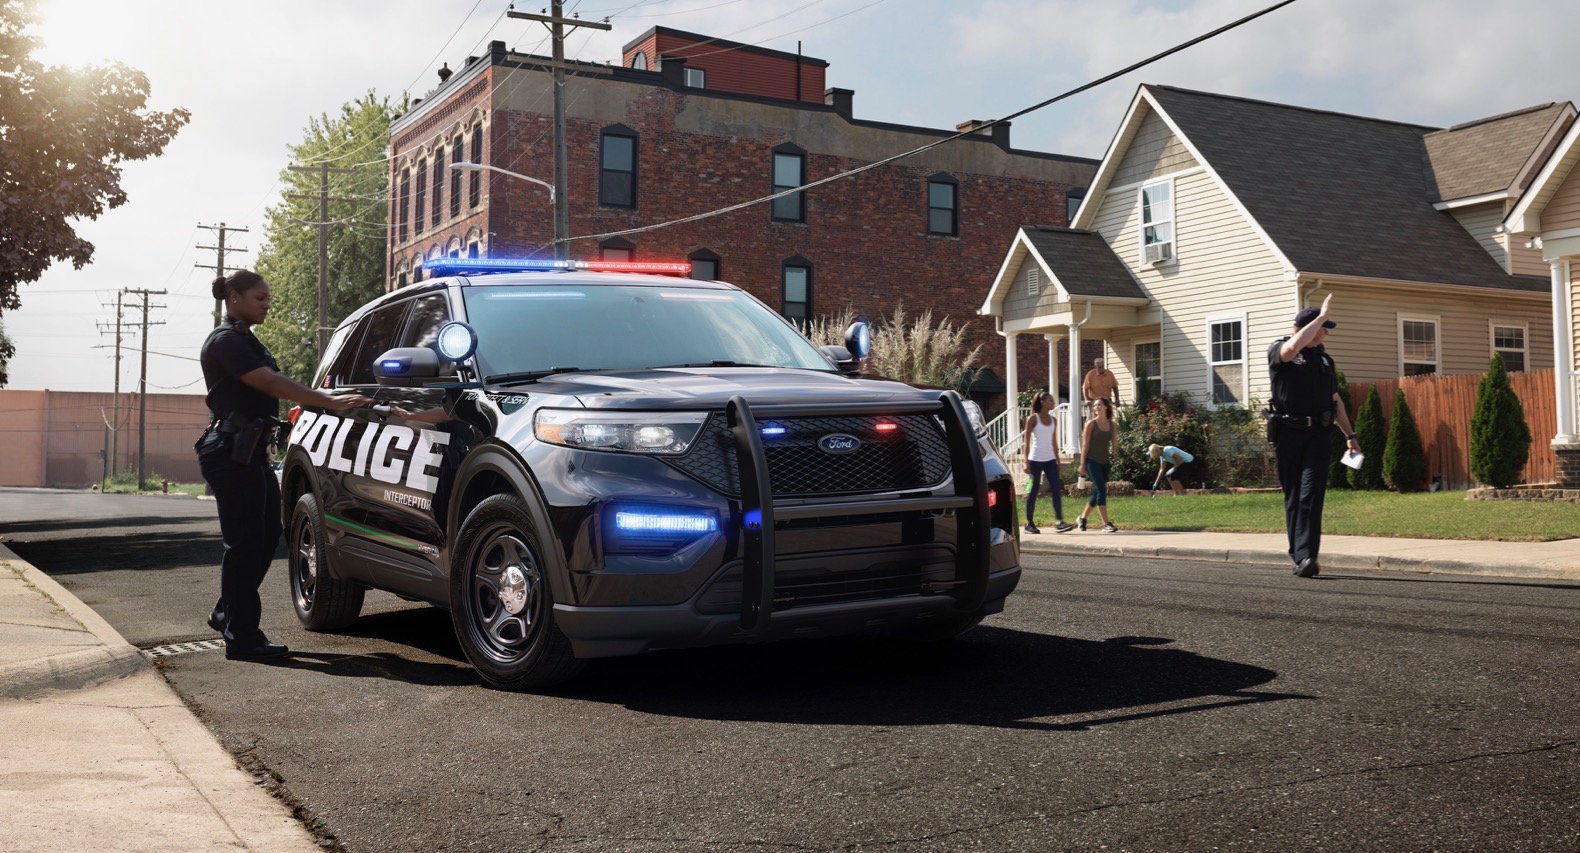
582 459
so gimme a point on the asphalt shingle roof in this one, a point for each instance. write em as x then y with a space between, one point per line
1338 194
1485 156
1084 262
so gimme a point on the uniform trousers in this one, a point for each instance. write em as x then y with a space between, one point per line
1303 455
248 497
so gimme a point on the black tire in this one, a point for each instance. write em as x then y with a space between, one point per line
500 601
322 603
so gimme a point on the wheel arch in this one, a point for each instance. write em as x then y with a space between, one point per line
492 470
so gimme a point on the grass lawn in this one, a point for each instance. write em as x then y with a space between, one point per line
1440 515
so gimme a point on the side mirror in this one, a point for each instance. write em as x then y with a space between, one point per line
858 340
841 358
406 366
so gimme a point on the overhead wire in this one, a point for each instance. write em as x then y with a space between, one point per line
946 140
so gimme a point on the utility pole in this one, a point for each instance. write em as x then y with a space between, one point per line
219 265
142 382
556 23
115 418
323 224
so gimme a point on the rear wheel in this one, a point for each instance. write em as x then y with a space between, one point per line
500 601
322 603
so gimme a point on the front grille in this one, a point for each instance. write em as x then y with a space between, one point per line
914 456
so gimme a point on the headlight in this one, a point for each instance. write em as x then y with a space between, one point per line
666 433
974 412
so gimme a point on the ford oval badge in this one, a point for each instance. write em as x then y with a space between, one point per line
839 442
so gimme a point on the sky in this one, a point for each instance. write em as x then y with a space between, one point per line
253 73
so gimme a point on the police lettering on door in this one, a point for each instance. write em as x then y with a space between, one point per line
327 440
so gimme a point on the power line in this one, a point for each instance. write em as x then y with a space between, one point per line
946 140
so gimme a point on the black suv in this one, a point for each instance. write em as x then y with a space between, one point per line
580 463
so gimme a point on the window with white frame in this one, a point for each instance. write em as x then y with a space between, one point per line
1419 352
1226 354
1509 341
696 78
1148 370
1157 222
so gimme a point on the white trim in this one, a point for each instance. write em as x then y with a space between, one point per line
1135 185
1135 387
1437 338
1207 323
1525 336
1514 223
1470 201
1141 226
1560 234
1107 166
993 305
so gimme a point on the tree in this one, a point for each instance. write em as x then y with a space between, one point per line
64 133
1404 459
1500 440
5 350
289 257
1370 433
1337 470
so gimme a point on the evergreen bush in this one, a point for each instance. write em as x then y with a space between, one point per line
1337 471
1404 459
1500 440
1371 433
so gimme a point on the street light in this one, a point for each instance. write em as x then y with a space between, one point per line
480 167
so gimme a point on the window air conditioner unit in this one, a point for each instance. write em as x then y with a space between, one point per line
1157 253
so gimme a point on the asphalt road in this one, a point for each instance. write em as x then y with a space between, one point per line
1118 704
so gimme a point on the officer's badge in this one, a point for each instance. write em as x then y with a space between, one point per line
1300 358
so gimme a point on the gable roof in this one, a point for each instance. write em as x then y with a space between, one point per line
1338 195
1491 155
1525 218
1079 263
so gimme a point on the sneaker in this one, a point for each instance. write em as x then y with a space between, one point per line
1031 528
1064 527
1110 528
1080 524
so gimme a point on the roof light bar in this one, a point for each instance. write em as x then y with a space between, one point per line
476 266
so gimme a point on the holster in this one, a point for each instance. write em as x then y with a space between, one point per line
1275 425
249 433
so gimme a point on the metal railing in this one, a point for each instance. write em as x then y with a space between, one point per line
1005 430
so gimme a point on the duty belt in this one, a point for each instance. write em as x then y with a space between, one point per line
1302 420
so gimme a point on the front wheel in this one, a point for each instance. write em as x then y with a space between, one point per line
322 603
500 601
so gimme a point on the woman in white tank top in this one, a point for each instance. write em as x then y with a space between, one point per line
1041 440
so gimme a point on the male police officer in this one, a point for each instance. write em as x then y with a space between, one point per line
1306 404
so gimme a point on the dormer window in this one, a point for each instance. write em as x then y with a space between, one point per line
1157 223
639 61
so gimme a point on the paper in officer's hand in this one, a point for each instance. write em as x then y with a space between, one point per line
1353 459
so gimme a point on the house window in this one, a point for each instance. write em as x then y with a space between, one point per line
1418 349
704 265
1157 222
789 173
476 190
797 302
943 205
639 61
456 155
1226 352
1072 203
617 173
438 186
696 78
1148 370
422 197
471 249
616 249
405 203
1510 342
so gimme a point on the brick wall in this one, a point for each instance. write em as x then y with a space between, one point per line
1568 466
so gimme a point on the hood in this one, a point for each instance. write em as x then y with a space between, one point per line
712 388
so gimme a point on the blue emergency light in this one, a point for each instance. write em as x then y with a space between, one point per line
481 266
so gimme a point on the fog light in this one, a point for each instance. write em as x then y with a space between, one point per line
664 523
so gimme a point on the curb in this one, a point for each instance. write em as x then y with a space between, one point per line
113 658
1280 559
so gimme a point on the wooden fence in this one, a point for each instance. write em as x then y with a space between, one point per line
1443 405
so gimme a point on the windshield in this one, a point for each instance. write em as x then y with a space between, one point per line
541 327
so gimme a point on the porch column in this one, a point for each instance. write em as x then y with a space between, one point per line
1563 355
1072 430
1053 363
1011 381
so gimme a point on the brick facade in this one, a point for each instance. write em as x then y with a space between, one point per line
865 238
1568 465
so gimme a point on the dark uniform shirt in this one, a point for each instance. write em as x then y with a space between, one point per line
229 353
1304 385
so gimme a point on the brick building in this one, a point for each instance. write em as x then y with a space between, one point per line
688 124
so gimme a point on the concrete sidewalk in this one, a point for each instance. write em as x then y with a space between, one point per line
99 753
1558 560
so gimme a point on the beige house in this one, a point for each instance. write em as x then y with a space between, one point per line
1212 220
1546 217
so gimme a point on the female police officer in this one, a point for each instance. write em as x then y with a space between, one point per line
1306 404
244 391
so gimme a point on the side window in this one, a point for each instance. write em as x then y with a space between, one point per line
422 330
382 329
342 348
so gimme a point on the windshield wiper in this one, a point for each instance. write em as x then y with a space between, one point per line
526 375
715 363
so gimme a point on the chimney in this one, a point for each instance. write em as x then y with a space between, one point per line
496 49
469 61
444 73
674 70
999 133
840 100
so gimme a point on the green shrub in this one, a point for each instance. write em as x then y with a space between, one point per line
1237 447
1169 419
1337 470
1371 433
1404 459
1500 440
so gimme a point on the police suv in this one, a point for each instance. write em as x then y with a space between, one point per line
586 459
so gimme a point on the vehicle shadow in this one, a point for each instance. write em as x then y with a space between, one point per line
161 548
997 677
